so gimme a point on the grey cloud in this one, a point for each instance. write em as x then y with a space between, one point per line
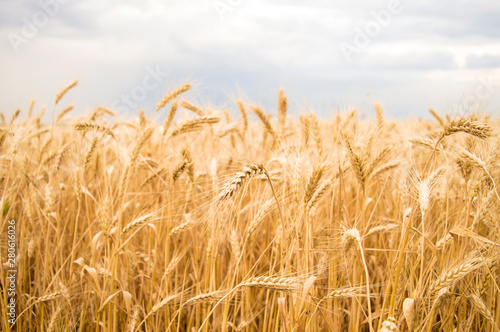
483 61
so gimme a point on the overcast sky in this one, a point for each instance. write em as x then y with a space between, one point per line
408 55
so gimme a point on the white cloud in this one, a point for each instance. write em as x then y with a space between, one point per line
260 45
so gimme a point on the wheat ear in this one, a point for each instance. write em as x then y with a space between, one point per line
61 93
63 113
171 95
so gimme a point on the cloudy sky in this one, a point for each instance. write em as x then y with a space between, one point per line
408 55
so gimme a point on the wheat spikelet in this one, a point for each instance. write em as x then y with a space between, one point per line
171 95
152 176
349 238
377 159
61 93
161 304
471 159
30 109
266 208
436 116
174 261
483 209
15 115
204 298
136 223
318 194
483 310
357 164
305 128
276 283
59 156
50 157
142 119
282 108
345 293
146 135
43 149
188 222
231 127
265 121
424 193
63 113
86 126
409 313
446 240
39 116
99 111
389 325
90 152
311 127
178 170
184 103
425 142
64 291
313 182
235 244
383 169
77 183
244 115
134 319
54 318
425 190
133 158
467 126
170 117
49 297
380 116
195 124
239 180
381 228
48 200
453 274
31 248
466 168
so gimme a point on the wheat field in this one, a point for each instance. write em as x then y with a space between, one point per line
193 219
